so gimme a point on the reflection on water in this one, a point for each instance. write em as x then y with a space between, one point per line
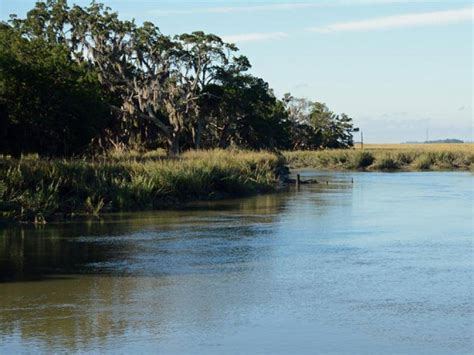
384 264
124 243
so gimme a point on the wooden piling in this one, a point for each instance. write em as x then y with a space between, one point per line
298 180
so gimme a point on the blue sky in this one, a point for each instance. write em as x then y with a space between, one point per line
399 68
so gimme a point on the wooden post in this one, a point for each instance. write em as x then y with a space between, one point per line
361 140
298 180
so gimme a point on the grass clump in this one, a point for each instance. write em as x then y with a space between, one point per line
362 159
423 162
386 162
38 189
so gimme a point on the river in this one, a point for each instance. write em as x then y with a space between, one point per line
360 263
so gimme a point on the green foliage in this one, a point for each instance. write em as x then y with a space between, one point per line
73 78
423 162
386 161
335 130
314 126
362 159
242 111
48 103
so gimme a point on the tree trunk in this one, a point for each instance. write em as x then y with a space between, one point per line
197 133
174 143
223 137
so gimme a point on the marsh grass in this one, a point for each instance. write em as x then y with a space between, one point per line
393 157
35 189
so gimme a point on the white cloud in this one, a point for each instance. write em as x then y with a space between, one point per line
270 7
253 37
400 21
235 9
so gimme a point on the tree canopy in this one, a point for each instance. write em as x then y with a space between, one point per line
74 78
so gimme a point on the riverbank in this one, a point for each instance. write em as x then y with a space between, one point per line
35 189
405 157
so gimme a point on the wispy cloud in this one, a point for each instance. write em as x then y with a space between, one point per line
300 86
268 7
254 37
235 9
272 7
400 21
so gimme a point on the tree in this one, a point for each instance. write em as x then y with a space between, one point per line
336 130
42 96
156 79
302 133
314 126
242 111
203 57
187 91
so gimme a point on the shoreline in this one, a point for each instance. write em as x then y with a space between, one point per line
37 190
393 159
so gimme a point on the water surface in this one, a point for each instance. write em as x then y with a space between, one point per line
381 265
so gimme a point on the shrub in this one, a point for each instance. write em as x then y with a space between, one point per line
405 158
423 162
386 162
362 159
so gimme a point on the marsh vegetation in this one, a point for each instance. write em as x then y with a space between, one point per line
36 189
387 157
39 189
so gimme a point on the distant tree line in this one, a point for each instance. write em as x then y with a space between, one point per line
74 79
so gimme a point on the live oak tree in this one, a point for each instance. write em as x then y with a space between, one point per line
315 126
335 130
242 110
139 86
48 104
302 134
202 59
